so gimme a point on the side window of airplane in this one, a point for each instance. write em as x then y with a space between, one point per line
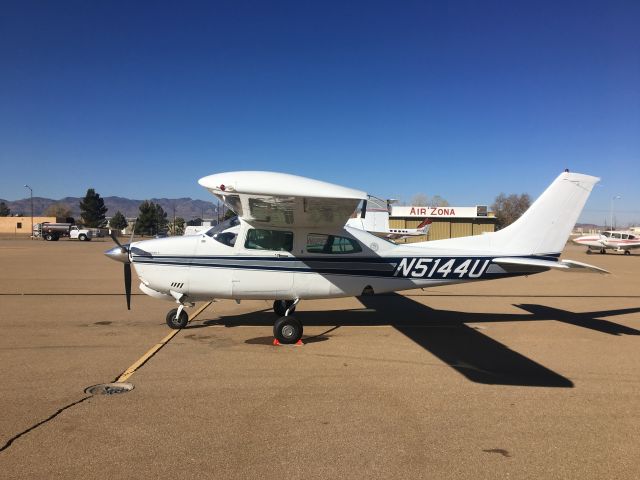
319 243
259 239
625 236
616 235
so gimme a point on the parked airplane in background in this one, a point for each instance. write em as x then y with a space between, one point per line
373 217
290 243
618 240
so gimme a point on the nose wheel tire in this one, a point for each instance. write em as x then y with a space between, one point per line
288 330
280 307
176 322
627 252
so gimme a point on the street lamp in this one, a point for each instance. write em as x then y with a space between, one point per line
31 192
615 197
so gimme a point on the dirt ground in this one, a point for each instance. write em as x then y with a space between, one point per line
532 377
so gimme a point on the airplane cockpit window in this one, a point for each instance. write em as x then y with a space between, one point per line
226 238
259 239
320 243
222 226
632 237
606 234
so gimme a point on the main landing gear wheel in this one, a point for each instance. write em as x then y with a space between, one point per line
280 307
627 252
287 330
176 322
603 251
589 252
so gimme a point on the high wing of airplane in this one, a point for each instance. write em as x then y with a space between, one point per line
618 240
374 218
290 243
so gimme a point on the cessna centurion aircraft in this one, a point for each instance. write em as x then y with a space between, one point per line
617 240
289 243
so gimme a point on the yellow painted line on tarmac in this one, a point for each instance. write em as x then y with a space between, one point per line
141 361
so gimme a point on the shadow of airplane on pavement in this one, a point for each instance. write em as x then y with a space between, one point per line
446 335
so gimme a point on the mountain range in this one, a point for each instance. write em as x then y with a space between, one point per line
186 208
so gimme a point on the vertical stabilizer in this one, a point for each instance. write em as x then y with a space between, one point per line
545 227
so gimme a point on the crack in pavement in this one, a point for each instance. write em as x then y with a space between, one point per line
46 420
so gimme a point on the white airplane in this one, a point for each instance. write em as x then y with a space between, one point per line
374 218
618 240
291 244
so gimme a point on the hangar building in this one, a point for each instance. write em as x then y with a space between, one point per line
447 222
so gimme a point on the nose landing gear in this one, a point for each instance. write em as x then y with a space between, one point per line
177 318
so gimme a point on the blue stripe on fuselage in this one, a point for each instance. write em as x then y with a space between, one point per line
416 268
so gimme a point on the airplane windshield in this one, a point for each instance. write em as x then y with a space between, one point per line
221 227
606 234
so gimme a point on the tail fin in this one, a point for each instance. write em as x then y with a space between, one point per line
424 227
545 227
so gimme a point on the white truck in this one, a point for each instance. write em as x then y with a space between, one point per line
53 231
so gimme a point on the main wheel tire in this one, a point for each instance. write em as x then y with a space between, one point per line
288 330
82 237
627 252
280 307
602 251
177 323
589 252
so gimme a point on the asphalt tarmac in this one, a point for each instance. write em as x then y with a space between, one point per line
535 377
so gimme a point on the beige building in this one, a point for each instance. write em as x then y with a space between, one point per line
21 225
447 222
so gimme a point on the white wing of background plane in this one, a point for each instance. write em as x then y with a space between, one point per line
280 199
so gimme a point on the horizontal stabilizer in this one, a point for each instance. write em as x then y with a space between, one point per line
566 265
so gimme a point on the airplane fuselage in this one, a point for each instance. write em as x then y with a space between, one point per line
305 264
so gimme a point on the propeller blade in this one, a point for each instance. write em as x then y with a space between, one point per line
115 239
127 284
133 231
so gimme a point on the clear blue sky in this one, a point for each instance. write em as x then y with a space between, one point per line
461 99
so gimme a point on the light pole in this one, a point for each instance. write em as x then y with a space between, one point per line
31 192
615 197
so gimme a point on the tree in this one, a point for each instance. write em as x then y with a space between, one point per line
419 200
58 210
438 201
161 219
422 200
508 209
118 222
92 210
177 227
152 218
4 210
